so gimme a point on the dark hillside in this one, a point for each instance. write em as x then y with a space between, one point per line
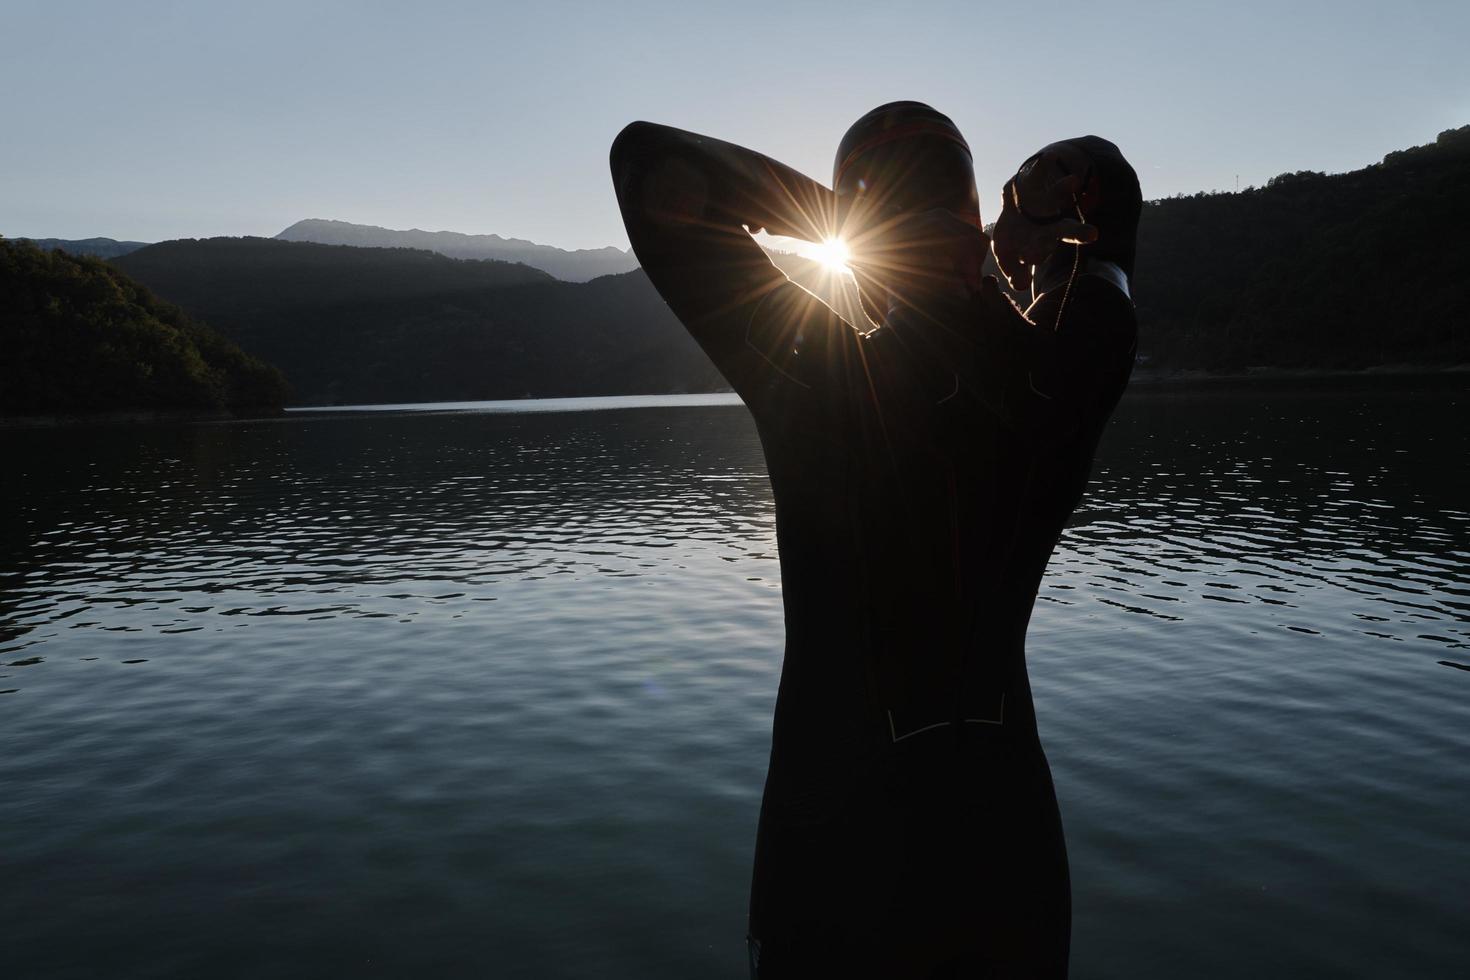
98 248
1314 271
352 325
81 337
233 272
578 265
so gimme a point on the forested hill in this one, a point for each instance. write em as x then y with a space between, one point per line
353 325
80 337
1314 271
577 265
99 248
264 273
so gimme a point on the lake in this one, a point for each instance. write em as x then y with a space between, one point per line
485 690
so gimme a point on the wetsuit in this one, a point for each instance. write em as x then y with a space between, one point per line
921 478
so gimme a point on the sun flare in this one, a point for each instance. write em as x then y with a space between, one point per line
833 254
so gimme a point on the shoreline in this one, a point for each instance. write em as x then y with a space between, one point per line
119 417
1143 378
1146 377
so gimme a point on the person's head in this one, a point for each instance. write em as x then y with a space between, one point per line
900 158
904 157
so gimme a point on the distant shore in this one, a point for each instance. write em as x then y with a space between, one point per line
117 417
1179 376
1143 378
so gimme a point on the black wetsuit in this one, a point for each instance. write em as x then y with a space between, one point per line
921 477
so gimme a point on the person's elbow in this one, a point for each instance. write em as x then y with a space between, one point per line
633 148
658 181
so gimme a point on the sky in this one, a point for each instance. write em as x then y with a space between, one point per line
154 120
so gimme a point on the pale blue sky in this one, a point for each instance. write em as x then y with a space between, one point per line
152 120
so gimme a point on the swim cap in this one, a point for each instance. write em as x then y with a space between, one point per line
907 156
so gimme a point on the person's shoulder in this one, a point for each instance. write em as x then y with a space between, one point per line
1092 318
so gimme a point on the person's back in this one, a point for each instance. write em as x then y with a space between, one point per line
908 819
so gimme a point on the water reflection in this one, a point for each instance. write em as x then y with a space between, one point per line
1312 512
490 694
167 528
1246 500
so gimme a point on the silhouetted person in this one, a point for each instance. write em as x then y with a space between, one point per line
922 472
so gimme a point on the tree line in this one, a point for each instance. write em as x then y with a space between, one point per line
79 336
1313 271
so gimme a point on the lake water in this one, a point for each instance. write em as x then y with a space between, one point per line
486 691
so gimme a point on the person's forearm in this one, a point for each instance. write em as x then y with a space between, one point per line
677 176
687 201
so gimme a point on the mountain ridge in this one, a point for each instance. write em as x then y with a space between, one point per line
352 325
569 265
97 248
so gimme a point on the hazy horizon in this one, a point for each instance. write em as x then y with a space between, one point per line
164 120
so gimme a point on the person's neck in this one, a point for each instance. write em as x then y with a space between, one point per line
1055 271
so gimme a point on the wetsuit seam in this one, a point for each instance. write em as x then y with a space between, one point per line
893 729
749 323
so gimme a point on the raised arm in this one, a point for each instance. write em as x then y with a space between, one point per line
1071 212
687 201
1080 192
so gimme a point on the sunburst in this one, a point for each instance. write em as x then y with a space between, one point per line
832 255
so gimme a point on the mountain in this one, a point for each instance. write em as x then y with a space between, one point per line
240 277
79 337
361 325
572 266
100 248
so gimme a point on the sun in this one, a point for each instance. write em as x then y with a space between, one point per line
833 255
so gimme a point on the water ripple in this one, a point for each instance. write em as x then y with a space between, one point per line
429 694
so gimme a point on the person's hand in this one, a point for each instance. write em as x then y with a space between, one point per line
1050 183
996 305
1041 208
